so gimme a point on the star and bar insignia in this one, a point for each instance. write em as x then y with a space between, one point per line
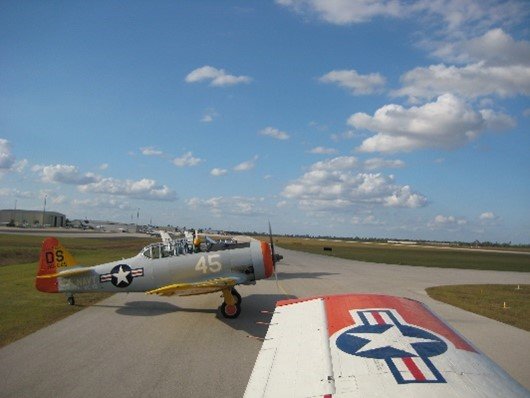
405 348
121 275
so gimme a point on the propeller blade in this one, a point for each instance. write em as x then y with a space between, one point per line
274 258
276 278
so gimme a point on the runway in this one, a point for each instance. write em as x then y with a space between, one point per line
137 345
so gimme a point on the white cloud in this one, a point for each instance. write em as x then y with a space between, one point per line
488 218
282 204
447 123
274 133
338 163
357 84
470 81
58 200
140 189
526 112
320 150
366 220
10 192
7 160
209 116
451 16
104 166
461 17
216 172
343 12
379 163
107 202
89 182
495 47
65 174
247 165
347 135
404 197
448 222
318 126
497 121
19 166
187 160
235 205
217 77
151 151
332 185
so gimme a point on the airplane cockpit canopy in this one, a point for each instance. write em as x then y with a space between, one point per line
161 250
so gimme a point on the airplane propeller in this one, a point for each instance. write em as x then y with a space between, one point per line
275 257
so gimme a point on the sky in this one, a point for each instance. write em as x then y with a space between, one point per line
370 118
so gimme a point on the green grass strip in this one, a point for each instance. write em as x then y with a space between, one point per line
508 304
411 255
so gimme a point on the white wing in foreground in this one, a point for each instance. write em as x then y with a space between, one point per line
370 346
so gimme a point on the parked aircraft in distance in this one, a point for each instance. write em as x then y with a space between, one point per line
369 345
165 268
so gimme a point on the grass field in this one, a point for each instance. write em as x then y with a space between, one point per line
24 309
410 255
488 300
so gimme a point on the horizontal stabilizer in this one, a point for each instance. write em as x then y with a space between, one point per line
66 273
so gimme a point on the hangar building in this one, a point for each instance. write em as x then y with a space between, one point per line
31 218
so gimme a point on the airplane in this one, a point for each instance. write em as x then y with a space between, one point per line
165 268
370 345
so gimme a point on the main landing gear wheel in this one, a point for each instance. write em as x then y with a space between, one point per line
71 300
230 311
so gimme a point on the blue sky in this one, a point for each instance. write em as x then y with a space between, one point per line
404 119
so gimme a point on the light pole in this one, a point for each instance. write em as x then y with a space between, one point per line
44 211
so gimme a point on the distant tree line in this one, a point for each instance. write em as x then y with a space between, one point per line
475 243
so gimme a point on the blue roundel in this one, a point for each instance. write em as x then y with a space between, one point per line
121 275
390 341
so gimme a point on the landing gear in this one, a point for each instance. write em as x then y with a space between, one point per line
230 311
231 307
70 300
236 295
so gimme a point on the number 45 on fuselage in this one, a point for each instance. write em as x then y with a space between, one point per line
162 268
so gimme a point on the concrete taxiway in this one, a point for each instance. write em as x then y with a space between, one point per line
136 345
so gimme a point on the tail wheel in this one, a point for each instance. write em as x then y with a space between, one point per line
230 311
236 295
71 300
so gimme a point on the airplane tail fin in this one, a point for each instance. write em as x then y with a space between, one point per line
53 258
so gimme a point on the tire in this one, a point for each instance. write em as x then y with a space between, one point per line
230 311
71 300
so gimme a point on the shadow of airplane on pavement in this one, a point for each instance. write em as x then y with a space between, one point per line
253 305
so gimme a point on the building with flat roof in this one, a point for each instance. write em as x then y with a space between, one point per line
30 218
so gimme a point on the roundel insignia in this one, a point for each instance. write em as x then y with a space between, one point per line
405 348
121 275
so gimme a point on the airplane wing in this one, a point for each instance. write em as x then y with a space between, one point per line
68 273
370 346
189 289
